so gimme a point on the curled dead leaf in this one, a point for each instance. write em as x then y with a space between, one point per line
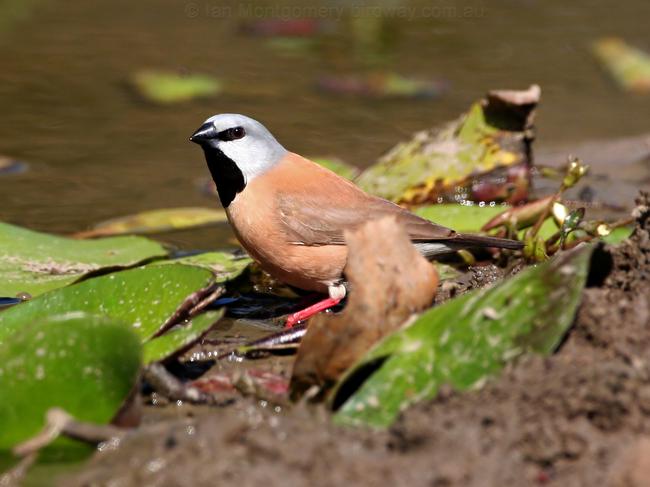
389 280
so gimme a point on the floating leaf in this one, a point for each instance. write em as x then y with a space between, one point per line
223 264
33 262
180 337
145 298
338 166
466 340
472 218
382 85
481 156
84 364
462 218
157 221
629 66
167 87
293 46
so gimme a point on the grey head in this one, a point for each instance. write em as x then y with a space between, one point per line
237 149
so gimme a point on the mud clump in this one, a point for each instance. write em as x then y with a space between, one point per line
579 417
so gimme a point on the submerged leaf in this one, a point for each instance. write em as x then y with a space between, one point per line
168 87
157 221
482 156
84 364
180 337
145 298
466 340
33 262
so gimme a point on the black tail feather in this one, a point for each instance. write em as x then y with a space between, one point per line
468 240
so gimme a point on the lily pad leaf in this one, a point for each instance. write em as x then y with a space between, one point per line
482 156
466 340
146 298
84 364
472 218
462 218
164 87
224 265
629 66
383 85
33 262
157 221
180 338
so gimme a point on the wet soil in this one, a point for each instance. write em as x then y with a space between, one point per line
579 417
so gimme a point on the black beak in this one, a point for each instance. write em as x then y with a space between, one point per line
204 133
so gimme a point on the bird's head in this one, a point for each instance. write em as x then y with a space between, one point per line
245 142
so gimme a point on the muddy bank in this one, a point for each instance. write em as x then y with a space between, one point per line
580 417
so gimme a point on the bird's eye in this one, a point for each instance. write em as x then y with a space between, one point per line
232 134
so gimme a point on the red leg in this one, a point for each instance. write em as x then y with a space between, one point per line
310 311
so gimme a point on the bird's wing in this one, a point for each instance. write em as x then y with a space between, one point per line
315 219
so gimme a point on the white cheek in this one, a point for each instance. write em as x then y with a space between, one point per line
252 158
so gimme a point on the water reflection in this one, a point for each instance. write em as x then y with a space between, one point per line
97 151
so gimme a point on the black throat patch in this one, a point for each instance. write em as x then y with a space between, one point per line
227 176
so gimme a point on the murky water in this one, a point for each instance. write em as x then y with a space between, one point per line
96 151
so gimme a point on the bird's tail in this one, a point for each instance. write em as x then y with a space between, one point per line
434 248
468 240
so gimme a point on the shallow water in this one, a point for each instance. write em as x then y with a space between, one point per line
96 151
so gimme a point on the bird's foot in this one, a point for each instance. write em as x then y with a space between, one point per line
310 311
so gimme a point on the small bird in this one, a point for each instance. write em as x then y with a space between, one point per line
290 213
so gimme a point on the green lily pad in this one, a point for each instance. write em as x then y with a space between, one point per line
180 337
84 364
224 265
157 221
457 161
341 168
167 87
470 219
462 218
145 298
467 340
35 262
629 66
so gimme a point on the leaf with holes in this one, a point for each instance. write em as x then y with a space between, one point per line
465 341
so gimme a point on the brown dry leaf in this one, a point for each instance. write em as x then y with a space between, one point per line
389 280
